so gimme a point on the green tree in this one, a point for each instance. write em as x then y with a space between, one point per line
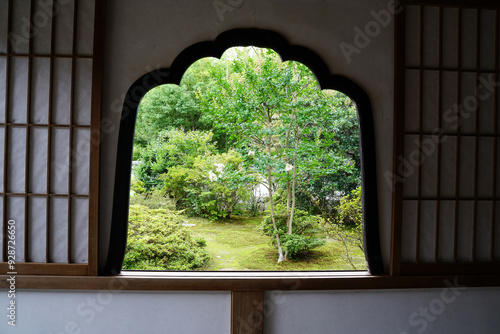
171 148
195 80
320 195
301 141
164 108
305 230
278 119
212 186
347 226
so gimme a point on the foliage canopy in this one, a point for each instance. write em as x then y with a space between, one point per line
248 119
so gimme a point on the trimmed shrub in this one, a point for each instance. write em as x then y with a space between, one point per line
158 241
305 229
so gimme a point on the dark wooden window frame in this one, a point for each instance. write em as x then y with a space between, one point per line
241 281
246 288
226 40
416 268
97 58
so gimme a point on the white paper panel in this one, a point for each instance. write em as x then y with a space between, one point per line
429 166
64 28
40 91
427 231
410 164
412 100
483 230
3 87
464 240
413 34
430 110
408 240
81 161
449 121
15 211
16 159
448 166
62 91
18 99
459 110
59 171
486 107
4 10
469 42
20 35
2 156
446 228
37 231
487 40
42 20
85 30
450 40
431 36
485 168
58 231
79 230
38 160
83 91
467 153
468 103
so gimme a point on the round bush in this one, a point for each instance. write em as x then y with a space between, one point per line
158 241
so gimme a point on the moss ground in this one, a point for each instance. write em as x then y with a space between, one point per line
238 245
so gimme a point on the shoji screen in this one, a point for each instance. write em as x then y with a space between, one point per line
50 72
447 162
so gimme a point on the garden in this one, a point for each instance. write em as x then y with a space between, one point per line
246 165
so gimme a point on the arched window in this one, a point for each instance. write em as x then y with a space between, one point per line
244 37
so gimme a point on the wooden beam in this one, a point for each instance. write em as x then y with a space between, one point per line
454 3
33 268
95 135
398 142
247 312
178 281
491 268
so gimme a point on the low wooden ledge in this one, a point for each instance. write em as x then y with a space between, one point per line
244 281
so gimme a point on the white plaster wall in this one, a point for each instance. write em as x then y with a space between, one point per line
433 311
430 311
117 312
149 34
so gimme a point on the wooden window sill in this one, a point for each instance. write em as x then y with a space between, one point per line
245 281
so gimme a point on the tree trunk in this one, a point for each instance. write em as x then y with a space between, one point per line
281 258
288 195
294 180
